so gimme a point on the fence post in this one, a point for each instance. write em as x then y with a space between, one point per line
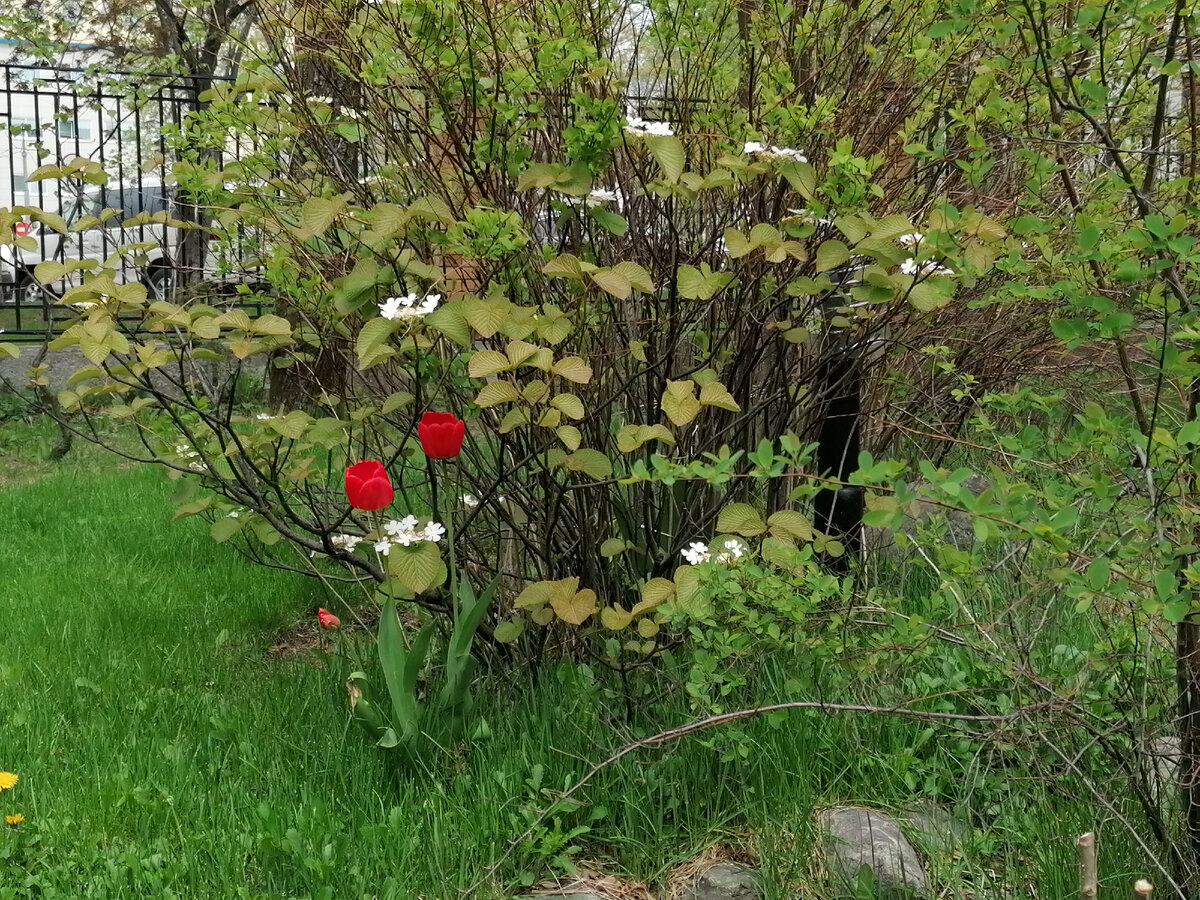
838 511
1087 866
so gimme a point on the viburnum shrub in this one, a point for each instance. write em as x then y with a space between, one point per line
558 340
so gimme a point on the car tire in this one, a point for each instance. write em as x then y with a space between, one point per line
160 283
26 292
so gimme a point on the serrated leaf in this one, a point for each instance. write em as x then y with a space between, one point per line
740 518
565 266
486 315
636 275
450 321
926 297
613 547
570 436
396 401
520 351
418 566
715 394
789 523
737 244
614 618
831 254
497 392
317 214
609 220
10 350
589 462
573 369
576 609
534 595
571 406
485 363
655 592
679 402
49 270
507 632
667 151
225 528
373 337
612 282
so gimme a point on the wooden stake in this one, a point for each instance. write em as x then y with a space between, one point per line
1142 889
1088 886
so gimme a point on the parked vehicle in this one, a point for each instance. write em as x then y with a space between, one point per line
148 250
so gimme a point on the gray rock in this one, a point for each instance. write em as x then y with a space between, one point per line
934 828
725 881
857 837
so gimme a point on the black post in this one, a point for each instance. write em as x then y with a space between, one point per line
839 510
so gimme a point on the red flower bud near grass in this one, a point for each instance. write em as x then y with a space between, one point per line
367 485
328 619
441 434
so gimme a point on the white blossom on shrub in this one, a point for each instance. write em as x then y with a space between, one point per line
402 307
345 542
637 125
911 267
911 239
696 552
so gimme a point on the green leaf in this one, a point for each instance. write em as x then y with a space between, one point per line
507 632
679 402
668 153
570 436
609 220
613 547
589 462
831 254
636 275
193 508
317 214
450 321
50 270
495 392
372 339
396 401
417 567
485 363
11 350
741 518
715 394
487 315
401 668
573 369
225 528
790 524
612 282
570 405
565 266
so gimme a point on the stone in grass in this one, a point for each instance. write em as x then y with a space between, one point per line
857 837
934 828
724 881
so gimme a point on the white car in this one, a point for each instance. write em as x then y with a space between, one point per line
151 261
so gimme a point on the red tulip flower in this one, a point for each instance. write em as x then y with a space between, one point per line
441 434
328 619
367 485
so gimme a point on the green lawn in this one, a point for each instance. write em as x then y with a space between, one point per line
163 751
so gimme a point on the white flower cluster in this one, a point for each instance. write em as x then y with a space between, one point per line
756 148
263 417
405 532
911 267
697 552
637 125
186 451
403 307
345 542
911 239
470 501
598 196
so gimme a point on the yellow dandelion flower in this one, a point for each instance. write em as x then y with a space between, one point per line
14 820
7 780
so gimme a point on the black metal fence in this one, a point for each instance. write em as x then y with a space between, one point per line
125 123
